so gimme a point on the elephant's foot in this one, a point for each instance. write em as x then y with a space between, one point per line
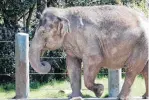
121 97
77 98
145 96
98 89
124 97
73 95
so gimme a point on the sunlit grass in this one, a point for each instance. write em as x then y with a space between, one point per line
61 89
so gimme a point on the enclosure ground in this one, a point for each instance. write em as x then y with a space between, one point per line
61 89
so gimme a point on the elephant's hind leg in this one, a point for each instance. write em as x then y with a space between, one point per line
135 65
91 69
145 75
124 94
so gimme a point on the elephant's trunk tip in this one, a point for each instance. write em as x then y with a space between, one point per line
45 67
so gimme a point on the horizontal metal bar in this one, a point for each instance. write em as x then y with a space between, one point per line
9 41
61 73
6 41
83 89
6 74
54 57
47 73
7 58
40 57
53 73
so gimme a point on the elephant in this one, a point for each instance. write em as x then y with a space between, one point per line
105 36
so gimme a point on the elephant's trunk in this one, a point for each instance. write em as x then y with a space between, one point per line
34 57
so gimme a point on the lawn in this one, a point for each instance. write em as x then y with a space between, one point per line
61 89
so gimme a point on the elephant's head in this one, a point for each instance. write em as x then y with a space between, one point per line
49 35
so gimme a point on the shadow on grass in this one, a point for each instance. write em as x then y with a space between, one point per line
87 96
106 96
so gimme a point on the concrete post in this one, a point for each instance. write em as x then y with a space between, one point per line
114 82
22 65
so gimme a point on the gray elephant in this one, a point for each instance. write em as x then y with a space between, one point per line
99 36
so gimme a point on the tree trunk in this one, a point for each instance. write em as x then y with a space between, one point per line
29 18
41 5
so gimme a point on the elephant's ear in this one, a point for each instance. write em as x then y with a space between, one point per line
63 26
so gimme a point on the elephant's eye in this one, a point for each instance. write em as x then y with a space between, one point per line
43 31
46 39
51 26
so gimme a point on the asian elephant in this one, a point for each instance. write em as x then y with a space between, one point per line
99 36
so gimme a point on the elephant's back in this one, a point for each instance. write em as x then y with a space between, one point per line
106 13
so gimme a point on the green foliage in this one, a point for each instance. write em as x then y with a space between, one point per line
7 87
15 7
142 7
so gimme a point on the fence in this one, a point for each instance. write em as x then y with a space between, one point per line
22 69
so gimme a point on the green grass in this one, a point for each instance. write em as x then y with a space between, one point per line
61 89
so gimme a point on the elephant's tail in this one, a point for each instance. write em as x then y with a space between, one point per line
144 24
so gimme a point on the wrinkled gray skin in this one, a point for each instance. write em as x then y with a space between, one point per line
99 36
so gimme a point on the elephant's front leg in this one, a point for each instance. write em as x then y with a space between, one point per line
92 65
74 72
